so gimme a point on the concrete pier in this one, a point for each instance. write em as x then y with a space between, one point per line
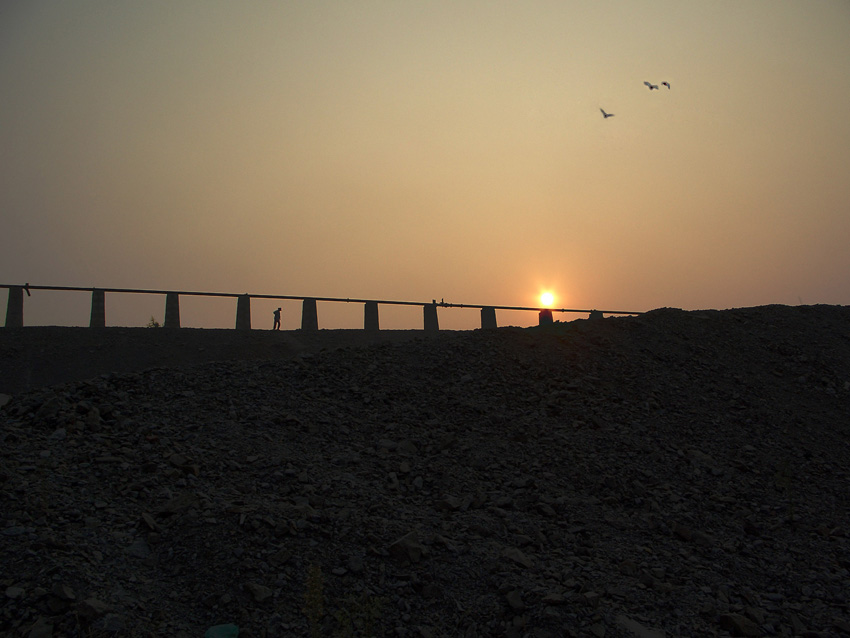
243 312
370 318
309 315
15 308
545 317
172 310
98 309
488 318
432 323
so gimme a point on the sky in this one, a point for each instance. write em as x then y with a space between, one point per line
423 150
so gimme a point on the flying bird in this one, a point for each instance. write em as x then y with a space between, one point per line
651 86
606 115
667 84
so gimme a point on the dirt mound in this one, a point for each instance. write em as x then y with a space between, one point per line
38 356
673 474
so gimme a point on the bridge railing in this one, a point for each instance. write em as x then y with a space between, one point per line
309 311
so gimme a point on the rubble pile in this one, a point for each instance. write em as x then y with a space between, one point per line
671 474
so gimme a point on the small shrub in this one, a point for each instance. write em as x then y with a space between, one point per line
153 323
359 616
314 601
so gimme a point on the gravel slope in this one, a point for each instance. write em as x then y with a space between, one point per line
38 356
673 474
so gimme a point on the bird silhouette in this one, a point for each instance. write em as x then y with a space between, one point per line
651 86
606 115
667 84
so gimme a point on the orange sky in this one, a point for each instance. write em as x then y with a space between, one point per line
421 150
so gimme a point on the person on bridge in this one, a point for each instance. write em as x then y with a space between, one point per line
276 319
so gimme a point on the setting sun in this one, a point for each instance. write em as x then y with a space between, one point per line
547 299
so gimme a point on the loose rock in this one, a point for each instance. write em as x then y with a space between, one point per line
661 475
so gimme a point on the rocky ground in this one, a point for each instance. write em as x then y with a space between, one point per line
37 356
672 474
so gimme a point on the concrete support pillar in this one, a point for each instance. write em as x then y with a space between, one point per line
432 323
243 312
370 320
98 309
172 310
488 318
309 315
596 314
15 308
545 317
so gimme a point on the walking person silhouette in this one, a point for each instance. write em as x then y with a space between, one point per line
276 319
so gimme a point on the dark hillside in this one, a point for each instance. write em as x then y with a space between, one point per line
673 474
38 356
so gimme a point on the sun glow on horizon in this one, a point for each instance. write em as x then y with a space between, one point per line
547 299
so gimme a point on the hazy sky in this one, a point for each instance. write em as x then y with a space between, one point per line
419 150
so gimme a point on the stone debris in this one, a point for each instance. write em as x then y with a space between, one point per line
92 608
259 592
222 631
672 474
408 548
742 626
638 630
